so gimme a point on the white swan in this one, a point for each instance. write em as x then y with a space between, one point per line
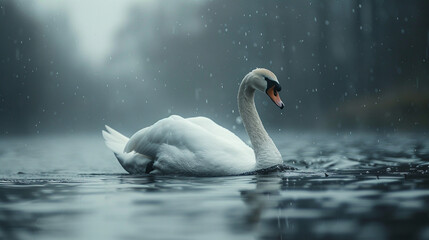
198 146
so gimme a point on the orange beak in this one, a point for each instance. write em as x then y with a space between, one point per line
274 95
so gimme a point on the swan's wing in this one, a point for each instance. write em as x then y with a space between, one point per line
216 129
148 140
196 133
198 144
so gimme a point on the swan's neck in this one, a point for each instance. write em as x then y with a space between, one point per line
266 152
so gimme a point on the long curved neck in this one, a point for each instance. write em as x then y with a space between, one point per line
266 152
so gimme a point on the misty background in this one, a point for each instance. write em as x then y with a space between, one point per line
73 66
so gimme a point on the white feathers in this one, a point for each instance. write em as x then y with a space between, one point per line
193 146
175 145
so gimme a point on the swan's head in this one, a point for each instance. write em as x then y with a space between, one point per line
265 81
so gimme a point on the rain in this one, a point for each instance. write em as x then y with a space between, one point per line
353 133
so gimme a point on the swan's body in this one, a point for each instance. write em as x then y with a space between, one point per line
198 146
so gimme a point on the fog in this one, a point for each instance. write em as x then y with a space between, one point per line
69 67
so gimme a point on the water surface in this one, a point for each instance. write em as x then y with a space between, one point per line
347 186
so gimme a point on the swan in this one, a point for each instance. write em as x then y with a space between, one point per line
198 146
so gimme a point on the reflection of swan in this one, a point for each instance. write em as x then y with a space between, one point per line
261 198
198 146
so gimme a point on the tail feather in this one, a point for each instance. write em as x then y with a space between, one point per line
132 162
116 134
115 144
114 140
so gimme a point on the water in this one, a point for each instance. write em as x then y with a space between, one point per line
346 187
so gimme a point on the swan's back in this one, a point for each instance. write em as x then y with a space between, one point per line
196 146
